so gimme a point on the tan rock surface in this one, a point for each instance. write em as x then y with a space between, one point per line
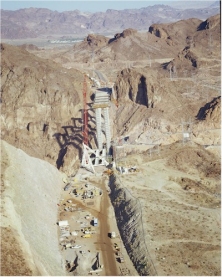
40 100
30 193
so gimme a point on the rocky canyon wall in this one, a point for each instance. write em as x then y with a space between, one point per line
41 107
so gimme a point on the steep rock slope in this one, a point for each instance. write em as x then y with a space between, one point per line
201 43
41 106
152 108
30 193
211 112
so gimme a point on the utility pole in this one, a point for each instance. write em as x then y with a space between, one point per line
171 73
174 72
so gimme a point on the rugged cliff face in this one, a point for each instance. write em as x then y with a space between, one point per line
152 106
41 107
211 112
134 86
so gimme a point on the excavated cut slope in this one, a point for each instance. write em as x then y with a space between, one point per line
31 190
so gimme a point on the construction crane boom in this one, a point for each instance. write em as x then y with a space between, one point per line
85 113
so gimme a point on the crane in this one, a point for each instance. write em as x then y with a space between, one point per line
85 114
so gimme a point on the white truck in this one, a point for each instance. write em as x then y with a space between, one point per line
95 221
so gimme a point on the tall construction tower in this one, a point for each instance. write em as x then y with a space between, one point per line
98 156
101 107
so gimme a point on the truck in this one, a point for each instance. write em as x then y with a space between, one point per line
68 245
113 235
95 221
116 247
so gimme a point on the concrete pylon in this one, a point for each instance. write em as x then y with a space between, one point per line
99 128
107 129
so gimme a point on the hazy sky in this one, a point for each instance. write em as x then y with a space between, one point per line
94 6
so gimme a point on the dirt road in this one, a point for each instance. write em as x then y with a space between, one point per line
106 245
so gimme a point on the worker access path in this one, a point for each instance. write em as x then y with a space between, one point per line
108 224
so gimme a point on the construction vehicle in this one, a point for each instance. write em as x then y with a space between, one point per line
116 247
109 172
68 245
113 235
95 221
121 259
86 236
89 230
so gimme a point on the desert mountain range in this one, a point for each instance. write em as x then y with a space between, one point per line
39 22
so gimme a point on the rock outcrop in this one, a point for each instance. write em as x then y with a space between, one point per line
176 33
41 106
125 33
211 112
96 40
134 86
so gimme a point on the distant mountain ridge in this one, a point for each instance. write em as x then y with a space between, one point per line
42 22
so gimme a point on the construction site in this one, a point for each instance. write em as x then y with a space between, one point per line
89 237
113 146
100 200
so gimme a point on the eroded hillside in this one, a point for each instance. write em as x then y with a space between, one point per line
41 106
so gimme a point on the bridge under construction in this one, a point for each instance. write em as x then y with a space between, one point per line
99 155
